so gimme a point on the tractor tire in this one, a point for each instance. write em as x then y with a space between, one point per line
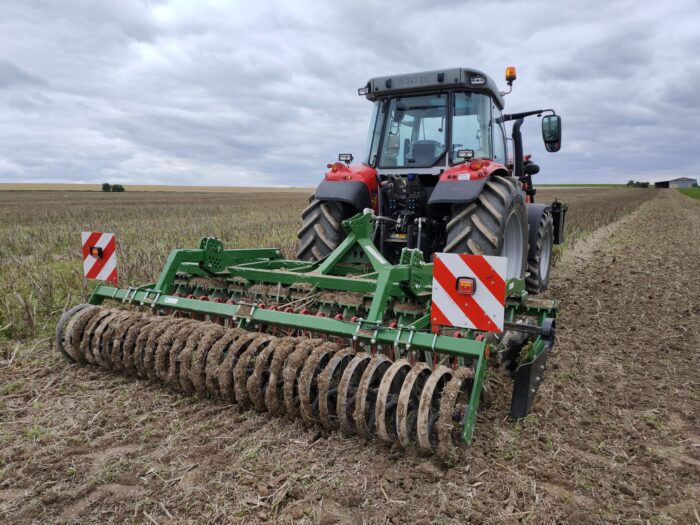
480 227
539 262
321 231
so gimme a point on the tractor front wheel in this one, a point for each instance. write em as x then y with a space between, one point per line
493 224
321 231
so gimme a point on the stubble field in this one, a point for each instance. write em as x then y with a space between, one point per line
613 438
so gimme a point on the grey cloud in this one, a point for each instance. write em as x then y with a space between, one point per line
13 75
265 93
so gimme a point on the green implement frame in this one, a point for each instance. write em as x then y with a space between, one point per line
355 266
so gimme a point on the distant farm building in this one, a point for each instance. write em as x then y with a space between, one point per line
682 182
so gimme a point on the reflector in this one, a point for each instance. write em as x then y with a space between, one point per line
466 285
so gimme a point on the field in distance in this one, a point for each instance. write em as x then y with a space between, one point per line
21 186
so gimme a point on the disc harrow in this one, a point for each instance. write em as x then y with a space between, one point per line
347 344
321 383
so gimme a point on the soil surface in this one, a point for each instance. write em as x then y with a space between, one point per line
614 436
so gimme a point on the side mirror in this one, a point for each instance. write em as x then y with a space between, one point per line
551 132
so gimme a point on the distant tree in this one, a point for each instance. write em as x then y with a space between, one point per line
630 183
117 187
106 187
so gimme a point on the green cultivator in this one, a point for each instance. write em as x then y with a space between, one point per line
415 271
345 343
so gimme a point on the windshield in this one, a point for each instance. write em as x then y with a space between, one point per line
414 136
413 130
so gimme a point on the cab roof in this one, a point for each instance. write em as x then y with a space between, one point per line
431 81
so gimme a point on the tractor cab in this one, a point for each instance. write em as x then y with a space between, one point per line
422 122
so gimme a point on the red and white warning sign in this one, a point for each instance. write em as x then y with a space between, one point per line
100 256
469 291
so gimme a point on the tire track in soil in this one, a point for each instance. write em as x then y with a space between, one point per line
621 391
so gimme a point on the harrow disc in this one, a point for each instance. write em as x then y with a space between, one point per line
61 338
429 408
259 379
454 403
347 390
366 396
388 399
328 382
70 337
116 354
165 345
308 381
244 369
226 380
149 346
274 392
409 399
200 356
86 340
109 340
215 359
292 370
97 343
187 355
129 344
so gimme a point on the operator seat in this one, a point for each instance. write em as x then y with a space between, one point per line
425 152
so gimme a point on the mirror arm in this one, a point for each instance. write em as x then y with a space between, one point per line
516 116
517 149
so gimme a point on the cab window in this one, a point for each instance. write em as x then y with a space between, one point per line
471 125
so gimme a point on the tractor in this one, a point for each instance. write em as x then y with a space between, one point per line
416 271
437 176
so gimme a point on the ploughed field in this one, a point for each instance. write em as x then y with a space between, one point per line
613 437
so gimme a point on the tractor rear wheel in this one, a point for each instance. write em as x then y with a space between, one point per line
493 224
321 231
539 261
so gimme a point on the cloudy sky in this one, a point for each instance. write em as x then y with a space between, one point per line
264 93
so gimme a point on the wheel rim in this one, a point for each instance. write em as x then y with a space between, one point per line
545 255
513 247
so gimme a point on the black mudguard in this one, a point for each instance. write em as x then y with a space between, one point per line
534 214
559 215
456 191
352 192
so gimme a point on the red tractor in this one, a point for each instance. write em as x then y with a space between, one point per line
437 176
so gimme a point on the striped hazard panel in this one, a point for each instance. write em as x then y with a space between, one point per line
100 256
469 291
